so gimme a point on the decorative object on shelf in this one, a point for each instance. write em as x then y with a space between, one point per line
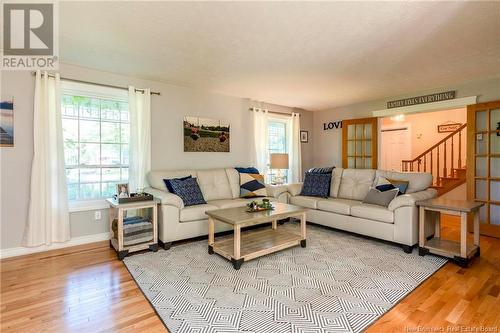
122 190
133 226
304 136
255 206
279 162
7 122
206 135
448 127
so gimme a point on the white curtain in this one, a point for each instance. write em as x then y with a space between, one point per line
294 154
260 139
48 217
140 137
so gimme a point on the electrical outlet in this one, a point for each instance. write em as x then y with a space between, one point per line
97 215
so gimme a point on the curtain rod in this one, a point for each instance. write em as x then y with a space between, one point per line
274 112
99 84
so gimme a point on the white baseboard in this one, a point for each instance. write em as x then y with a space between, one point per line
20 251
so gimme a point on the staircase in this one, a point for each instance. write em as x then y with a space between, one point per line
444 160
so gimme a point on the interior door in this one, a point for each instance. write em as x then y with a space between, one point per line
394 147
359 143
483 163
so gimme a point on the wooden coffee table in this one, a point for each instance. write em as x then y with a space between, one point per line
255 243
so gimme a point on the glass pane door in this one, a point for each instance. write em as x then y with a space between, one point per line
483 172
359 143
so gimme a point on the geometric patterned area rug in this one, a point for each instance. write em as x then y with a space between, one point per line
338 283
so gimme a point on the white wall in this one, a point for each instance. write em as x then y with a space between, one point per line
328 144
168 111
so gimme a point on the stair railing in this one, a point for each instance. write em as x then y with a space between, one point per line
436 159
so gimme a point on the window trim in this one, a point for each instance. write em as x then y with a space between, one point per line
87 205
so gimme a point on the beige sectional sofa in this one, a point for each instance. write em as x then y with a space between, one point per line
344 208
220 189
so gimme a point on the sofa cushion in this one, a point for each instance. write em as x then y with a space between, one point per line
214 184
188 190
356 183
418 181
373 212
252 185
321 170
335 183
304 201
155 178
169 185
233 177
316 185
247 170
195 213
339 206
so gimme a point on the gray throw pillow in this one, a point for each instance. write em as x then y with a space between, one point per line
377 197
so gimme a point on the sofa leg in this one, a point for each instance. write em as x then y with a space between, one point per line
407 248
165 246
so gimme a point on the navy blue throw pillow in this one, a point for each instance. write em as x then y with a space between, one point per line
169 186
321 170
189 191
385 187
251 170
316 185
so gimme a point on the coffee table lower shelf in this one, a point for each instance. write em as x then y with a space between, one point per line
256 244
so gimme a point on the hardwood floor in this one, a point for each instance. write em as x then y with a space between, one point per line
86 289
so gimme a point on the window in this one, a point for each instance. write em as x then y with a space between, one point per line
276 144
96 140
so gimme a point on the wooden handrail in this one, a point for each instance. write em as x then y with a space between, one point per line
436 145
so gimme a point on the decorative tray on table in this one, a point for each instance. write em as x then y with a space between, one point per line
255 206
134 197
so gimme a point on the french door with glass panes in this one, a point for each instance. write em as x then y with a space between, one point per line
359 143
483 163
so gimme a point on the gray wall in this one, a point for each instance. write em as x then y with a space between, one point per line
328 144
168 111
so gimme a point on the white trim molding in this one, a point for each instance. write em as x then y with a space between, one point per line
21 251
427 107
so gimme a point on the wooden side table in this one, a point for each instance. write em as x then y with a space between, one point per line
118 211
460 252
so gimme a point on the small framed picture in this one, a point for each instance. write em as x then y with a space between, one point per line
304 136
122 190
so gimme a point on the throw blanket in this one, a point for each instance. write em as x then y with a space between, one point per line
135 233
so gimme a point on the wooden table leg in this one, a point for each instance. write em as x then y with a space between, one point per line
275 224
303 229
476 227
211 235
463 235
421 227
237 260
437 227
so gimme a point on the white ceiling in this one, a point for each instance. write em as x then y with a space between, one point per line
313 55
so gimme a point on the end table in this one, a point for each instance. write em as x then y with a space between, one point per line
142 211
460 252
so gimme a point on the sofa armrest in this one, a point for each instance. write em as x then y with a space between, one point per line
166 198
411 198
274 191
295 189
